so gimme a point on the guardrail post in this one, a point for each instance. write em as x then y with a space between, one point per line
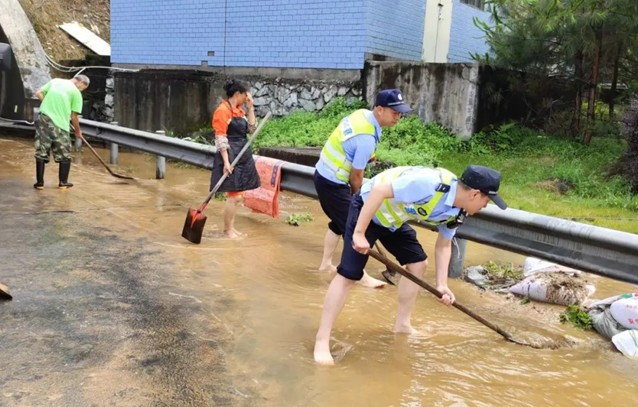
457 261
114 150
160 166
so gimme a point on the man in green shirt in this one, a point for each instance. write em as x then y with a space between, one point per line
61 101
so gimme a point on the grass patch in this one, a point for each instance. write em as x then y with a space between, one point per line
296 219
583 192
504 271
577 317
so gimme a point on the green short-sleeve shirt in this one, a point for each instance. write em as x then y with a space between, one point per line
61 97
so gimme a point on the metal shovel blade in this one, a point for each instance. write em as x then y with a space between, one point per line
4 292
194 226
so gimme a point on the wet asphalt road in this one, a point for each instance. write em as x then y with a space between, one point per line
91 323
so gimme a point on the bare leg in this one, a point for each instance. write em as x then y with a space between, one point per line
329 245
407 297
232 202
332 306
367 281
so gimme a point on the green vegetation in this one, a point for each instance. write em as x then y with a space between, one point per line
541 173
546 174
504 271
297 219
577 317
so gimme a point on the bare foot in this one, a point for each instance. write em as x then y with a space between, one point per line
327 269
370 282
404 329
322 352
231 234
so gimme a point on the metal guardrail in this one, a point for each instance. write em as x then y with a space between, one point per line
601 251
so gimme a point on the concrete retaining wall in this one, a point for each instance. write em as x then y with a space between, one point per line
183 100
443 93
32 70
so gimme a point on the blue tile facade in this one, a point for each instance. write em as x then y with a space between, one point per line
270 33
465 37
395 28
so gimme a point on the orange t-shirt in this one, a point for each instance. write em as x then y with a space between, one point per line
223 116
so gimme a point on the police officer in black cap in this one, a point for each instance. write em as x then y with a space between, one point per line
381 210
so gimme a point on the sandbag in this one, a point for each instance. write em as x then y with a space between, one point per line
555 288
625 311
603 322
611 300
627 343
533 266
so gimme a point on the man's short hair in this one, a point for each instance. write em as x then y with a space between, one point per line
83 78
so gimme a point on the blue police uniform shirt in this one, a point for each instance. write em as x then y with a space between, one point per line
358 149
418 186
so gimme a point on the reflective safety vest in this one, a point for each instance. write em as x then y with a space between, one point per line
396 214
333 154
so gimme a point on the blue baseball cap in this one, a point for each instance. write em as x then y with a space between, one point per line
392 98
485 180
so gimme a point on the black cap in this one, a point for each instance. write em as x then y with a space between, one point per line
393 99
485 180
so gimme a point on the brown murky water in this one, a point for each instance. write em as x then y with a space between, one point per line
453 361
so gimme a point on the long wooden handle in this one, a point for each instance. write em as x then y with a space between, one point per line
392 266
96 155
232 165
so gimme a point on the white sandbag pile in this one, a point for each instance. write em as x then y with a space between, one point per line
625 311
627 343
602 319
533 266
616 318
555 287
552 283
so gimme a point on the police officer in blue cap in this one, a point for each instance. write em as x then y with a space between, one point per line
339 171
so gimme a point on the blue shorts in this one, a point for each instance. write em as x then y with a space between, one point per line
335 202
402 244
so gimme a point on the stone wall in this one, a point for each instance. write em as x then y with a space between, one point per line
284 97
183 100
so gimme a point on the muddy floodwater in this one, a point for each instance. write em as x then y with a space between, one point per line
113 307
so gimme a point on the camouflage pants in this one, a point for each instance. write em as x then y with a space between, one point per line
50 138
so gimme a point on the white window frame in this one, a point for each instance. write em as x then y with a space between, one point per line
479 4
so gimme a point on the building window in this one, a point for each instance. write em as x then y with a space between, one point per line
474 3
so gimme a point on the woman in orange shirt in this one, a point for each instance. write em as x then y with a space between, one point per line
231 130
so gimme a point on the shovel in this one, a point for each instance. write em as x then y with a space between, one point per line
400 270
195 220
4 292
103 163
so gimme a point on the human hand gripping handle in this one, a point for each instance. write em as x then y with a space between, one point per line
228 168
447 296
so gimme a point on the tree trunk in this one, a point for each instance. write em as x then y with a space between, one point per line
579 74
614 83
593 87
